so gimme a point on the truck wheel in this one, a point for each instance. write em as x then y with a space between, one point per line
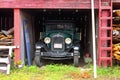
38 60
76 61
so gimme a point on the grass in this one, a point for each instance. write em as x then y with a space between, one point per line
109 72
59 72
48 72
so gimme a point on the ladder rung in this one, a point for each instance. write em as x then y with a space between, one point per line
106 7
106 48
107 28
105 38
105 17
105 3
106 58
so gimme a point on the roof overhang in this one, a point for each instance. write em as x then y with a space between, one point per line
52 4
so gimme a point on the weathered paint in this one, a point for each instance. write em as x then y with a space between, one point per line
50 4
17 33
74 4
105 49
118 1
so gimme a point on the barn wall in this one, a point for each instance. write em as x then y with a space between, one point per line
74 4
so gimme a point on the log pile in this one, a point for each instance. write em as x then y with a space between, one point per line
6 37
116 19
116 26
116 35
116 13
116 51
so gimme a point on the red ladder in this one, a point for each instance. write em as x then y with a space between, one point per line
105 33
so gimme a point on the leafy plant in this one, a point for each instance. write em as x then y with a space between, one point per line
12 55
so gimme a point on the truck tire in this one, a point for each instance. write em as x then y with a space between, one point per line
76 58
76 61
38 60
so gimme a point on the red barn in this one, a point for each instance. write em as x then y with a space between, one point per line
14 13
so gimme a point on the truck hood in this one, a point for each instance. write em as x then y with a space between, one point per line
63 34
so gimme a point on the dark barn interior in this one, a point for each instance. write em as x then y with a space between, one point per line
82 19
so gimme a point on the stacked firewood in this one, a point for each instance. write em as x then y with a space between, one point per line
116 35
116 19
116 51
116 26
6 37
116 13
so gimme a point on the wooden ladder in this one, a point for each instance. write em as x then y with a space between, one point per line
105 33
5 58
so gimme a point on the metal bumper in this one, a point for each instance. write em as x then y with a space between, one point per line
57 55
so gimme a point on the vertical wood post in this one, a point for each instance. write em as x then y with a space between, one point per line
17 34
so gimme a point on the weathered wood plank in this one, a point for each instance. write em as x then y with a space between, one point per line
79 4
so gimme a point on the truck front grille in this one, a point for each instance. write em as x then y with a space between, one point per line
58 43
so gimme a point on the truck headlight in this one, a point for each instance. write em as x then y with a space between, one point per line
47 40
68 40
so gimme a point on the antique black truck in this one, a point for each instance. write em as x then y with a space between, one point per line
59 41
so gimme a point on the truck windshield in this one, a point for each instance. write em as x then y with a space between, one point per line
67 27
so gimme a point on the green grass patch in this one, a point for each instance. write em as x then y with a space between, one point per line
109 71
57 72
48 72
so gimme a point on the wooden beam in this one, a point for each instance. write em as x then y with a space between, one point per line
48 4
64 4
116 1
17 33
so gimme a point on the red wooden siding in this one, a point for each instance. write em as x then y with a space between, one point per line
77 4
116 1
